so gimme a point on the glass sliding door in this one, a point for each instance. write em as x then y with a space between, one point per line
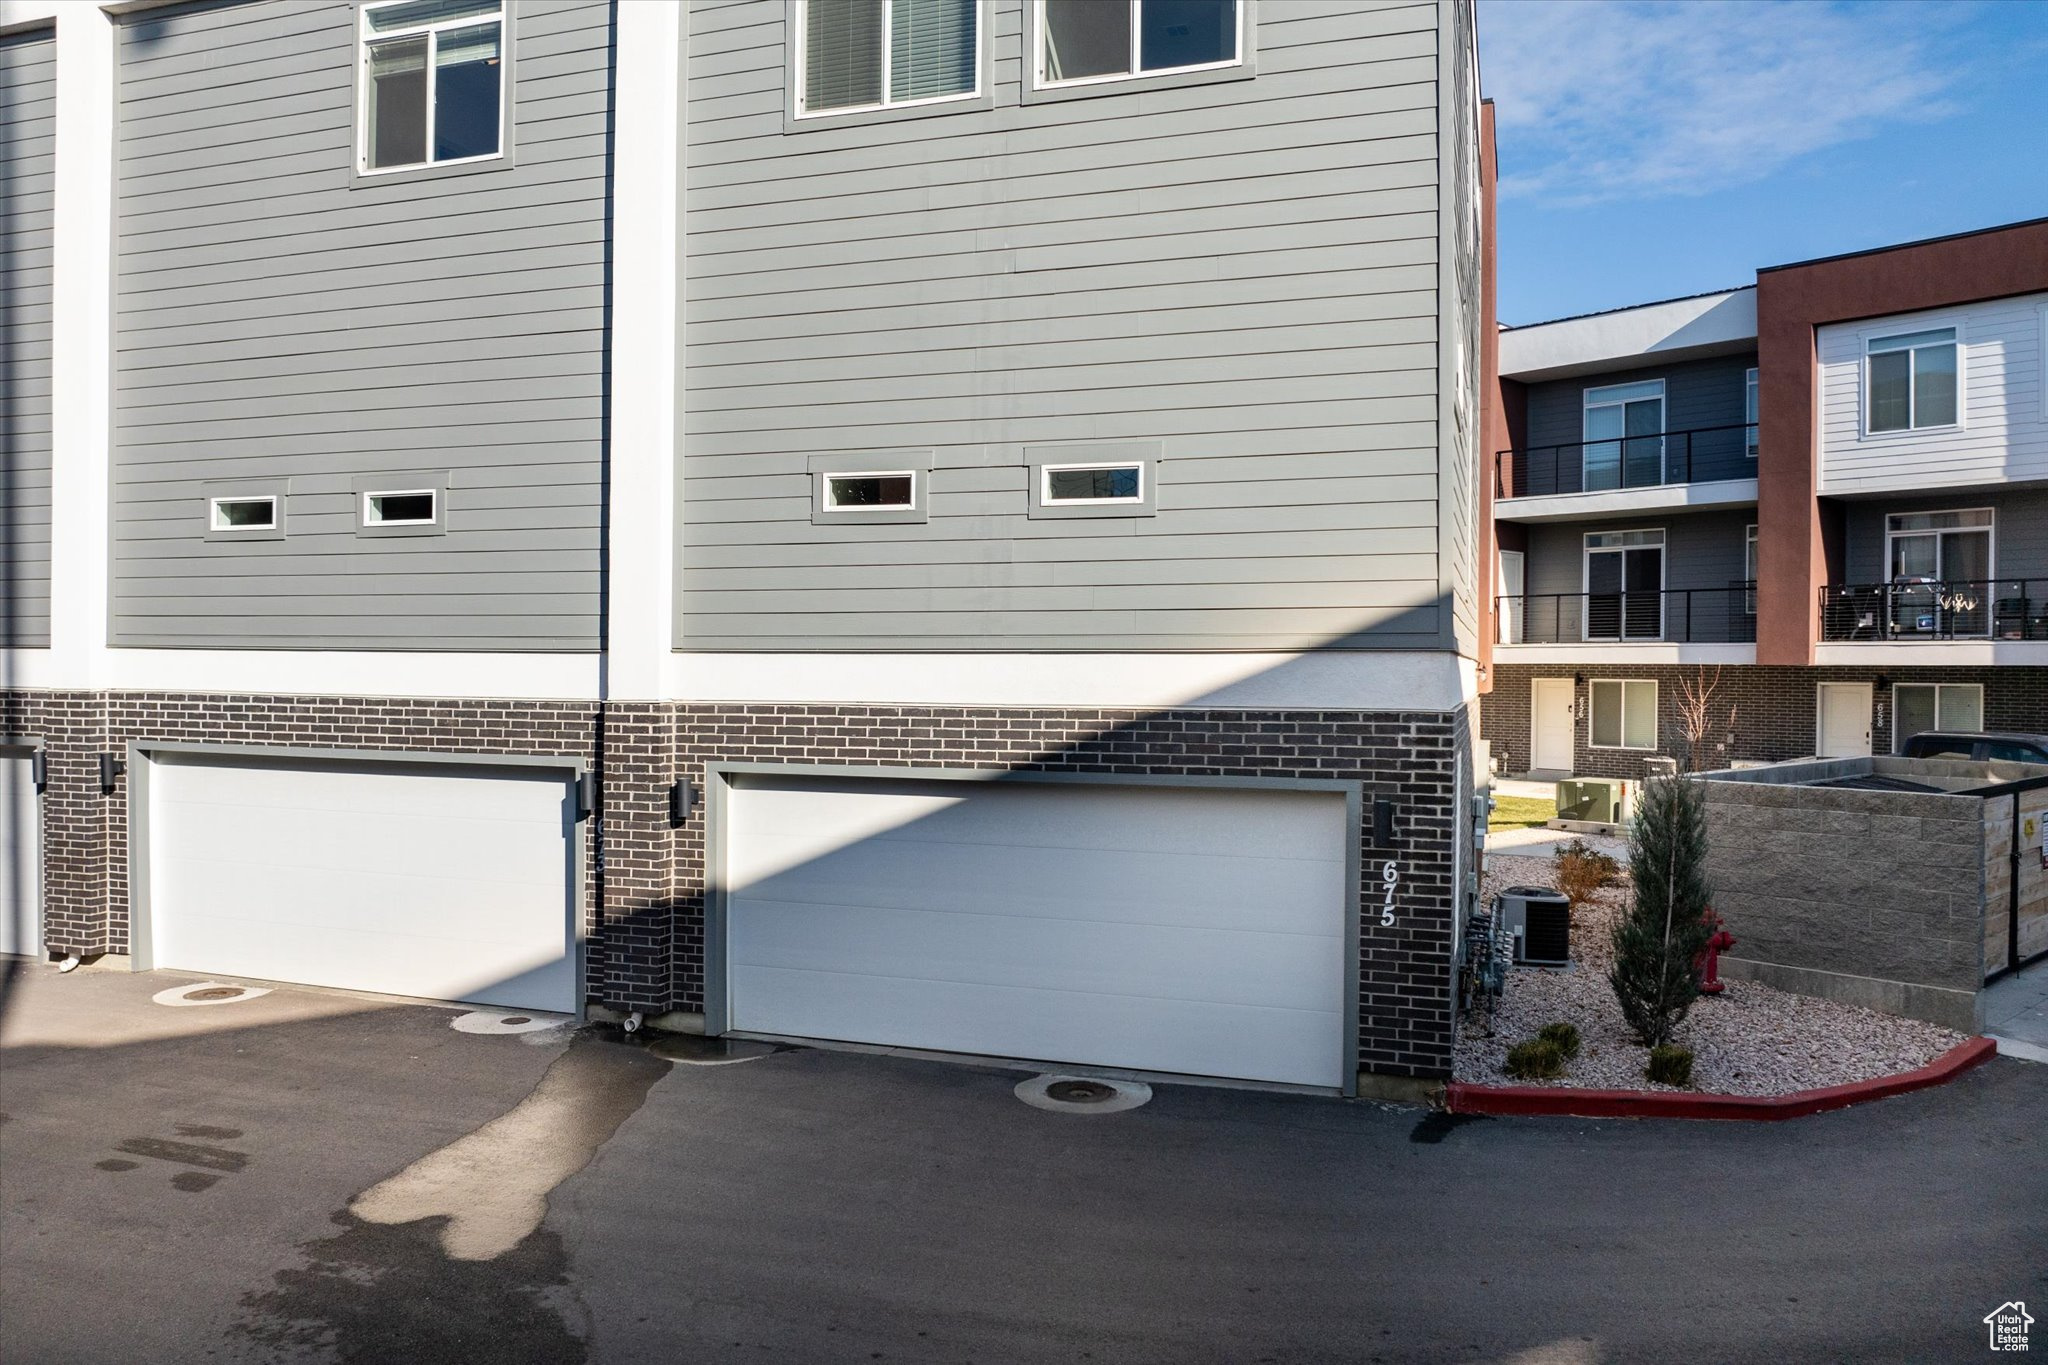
1625 585
1624 437
1940 566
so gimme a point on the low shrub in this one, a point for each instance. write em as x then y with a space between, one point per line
1581 870
1564 1035
1670 1064
1539 1059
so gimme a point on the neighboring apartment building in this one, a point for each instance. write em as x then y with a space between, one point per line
1827 493
941 523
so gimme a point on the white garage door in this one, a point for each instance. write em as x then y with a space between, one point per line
1164 929
449 883
21 862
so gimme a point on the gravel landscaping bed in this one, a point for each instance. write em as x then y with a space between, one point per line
1750 1040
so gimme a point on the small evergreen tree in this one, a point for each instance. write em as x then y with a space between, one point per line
1666 929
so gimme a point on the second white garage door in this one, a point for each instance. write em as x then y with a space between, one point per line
430 880
1190 930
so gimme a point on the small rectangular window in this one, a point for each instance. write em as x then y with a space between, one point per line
403 507
1623 714
243 514
1083 41
1099 479
432 82
1911 381
1081 483
1749 409
1749 572
896 489
879 54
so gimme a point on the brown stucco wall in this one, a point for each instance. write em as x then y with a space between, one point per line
1793 537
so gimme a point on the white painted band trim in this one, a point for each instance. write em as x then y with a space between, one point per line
1624 654
1391 680
569 677
1933 653
1627 501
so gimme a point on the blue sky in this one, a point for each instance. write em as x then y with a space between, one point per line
1654 148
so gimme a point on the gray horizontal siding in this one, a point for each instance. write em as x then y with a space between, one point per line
1245 272
1697 393
27 177
2019 531
277 320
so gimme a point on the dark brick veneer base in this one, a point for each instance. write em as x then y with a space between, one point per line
1764 713
645 891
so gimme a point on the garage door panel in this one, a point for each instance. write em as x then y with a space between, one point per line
281 838
1288 1046
1217 890
1155 961
1200 930
445 882
1162 820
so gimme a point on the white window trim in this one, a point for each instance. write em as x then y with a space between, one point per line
371 516
1752 412
832 504
1046 472
1750 551
1586 553
803 33
363 39
1978 688
1040 82
1657 700
215 524
1892 328
1586 406
1990 528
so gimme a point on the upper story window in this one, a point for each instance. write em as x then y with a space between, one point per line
1749 413
433 83
1066 484
1089 41
1624 440
856 55
1911 380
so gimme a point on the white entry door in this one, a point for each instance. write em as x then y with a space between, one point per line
1188 930
1844 720
1553 722
421 879
21 861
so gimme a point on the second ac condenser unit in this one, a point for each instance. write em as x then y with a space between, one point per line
1541 922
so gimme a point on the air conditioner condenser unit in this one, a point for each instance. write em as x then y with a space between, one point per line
1540 921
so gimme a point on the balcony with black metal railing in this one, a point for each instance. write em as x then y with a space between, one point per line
1716 616
1651 460
1905 610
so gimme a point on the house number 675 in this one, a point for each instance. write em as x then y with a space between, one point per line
1390 876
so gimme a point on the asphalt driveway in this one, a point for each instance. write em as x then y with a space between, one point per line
384 1188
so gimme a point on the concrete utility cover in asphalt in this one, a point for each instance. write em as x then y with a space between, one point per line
689 1049
208 993
507 1021
1082 1094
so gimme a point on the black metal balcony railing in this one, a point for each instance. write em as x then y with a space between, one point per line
1674 616
1699 453
1936 609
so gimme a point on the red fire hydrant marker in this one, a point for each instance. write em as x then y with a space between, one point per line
1709 963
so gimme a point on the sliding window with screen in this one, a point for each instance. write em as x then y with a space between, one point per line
869 56
432 85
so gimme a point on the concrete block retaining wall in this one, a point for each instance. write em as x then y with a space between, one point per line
1873 898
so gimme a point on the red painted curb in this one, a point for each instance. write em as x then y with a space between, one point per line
1464 1097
